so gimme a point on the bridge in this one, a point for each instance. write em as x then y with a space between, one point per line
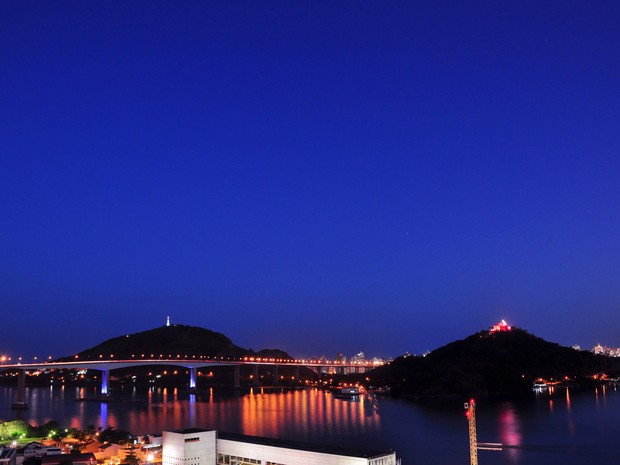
192 364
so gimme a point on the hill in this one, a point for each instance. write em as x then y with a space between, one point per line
490 362
168 342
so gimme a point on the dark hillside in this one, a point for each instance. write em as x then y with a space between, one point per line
165 342
490 363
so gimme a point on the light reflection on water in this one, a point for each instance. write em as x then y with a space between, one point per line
303 413
510 430
258 412
559 426
103 415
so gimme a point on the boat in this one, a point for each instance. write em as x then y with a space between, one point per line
347 392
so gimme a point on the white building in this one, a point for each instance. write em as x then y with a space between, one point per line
198 447
38 450
189 447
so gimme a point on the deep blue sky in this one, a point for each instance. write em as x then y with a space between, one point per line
320 176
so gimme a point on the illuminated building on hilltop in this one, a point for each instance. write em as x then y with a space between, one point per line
499 327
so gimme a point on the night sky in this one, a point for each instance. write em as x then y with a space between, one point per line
316 176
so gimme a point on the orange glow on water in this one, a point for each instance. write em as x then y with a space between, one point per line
268 414
260 412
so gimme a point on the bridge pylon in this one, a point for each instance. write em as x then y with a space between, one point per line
20 402
192 378
105 382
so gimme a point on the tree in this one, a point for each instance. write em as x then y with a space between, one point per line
131 458
14 429
112 435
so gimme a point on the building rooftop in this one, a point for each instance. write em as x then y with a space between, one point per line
69 458
325 449
189 431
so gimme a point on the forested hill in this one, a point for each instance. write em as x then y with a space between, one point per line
170 342
491 363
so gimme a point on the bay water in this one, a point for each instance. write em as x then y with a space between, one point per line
559 426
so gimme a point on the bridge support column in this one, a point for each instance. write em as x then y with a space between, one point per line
255 376
104 382
20 403
297 374
276 376
192 378
236 376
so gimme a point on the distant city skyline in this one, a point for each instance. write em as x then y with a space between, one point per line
316 177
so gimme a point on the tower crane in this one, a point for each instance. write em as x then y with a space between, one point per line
470 413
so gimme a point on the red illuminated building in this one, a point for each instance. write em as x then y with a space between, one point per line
501 326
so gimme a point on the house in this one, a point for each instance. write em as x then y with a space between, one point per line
110 451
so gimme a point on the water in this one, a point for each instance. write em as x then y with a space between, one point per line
554 427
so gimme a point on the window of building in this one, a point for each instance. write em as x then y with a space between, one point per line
223 459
